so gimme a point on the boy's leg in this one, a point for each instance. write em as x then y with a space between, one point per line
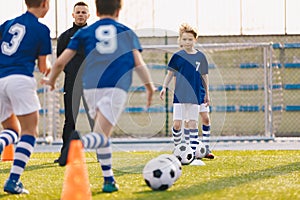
194 139
10 133
104 155
192 116
204 113
23 152
177 123
177 135
186 133
7 137
205 140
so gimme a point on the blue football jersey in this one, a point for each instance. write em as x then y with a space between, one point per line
22 40
108 47
188 69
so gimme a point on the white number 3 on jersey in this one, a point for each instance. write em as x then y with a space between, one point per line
18 31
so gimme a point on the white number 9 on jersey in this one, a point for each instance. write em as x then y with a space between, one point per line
107 36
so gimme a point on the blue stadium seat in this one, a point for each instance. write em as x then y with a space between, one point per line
225 109
249 65
40 90
292 108
82 110
137 89
277 46
276 86
292 86
291 45
157 67
43 111
275 108
227 87
249 108
292 65
279 65
156 109
134 109
249 87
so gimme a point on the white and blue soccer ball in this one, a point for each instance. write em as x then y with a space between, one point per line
200 150
159 174
175 161
184 153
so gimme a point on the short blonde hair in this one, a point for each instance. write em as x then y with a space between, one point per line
186 28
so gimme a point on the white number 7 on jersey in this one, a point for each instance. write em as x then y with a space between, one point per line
198 65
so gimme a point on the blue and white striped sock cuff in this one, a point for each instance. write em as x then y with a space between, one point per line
8 136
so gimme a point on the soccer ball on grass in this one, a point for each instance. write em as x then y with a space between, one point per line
200 150
159 174
175 161
184 153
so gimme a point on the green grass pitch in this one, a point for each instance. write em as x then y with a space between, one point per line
232 175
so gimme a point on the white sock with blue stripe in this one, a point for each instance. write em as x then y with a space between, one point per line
8 136
104 155
22 154
94 140
186 132
206 135
194 139
177 134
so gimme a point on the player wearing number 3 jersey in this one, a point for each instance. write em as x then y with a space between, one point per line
112 52
23 40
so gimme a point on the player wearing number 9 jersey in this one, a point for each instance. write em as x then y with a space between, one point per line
112 52
109 44
23 40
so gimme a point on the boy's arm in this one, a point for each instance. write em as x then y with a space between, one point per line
144 75
58 66
206 87
167 80
44 65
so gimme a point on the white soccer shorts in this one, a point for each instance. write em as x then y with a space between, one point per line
185 111
203 108
109 101
18 96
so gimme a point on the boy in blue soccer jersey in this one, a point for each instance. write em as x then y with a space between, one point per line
23 40
190 67
112 52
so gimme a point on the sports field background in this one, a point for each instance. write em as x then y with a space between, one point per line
223 123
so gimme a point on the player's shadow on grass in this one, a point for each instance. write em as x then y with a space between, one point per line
233 181
30 167
134 169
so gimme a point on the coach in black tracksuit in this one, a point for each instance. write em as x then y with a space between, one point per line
73 91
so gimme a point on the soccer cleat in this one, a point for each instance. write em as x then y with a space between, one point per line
56 160
62 160
110 187
209 154
14 187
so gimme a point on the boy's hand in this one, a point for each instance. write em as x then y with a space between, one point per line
46 81
162 93
207 100
149 92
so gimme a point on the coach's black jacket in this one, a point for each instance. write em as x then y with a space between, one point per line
62 43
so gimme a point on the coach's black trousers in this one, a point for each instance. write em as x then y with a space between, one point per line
73 93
